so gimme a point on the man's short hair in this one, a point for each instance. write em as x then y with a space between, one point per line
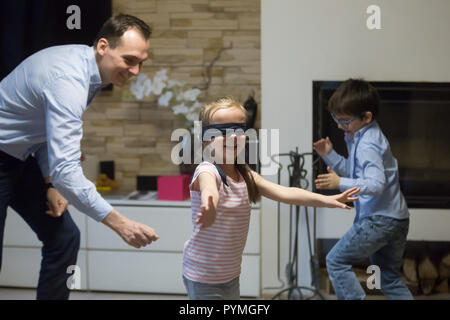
116 26
354 97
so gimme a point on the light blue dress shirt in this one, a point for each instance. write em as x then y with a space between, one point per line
41 105
371 167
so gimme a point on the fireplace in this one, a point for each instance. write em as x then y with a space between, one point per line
415 118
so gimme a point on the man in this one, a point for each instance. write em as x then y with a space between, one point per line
41 105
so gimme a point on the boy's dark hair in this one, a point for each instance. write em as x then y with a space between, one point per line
116 26
354 97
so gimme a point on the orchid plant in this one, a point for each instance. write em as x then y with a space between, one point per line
169 93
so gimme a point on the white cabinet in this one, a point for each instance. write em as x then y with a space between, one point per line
18 233
115 266
107 263
22 252
173 226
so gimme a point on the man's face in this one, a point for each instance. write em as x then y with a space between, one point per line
118 65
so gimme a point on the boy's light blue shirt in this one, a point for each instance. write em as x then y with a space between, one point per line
371 167
41 105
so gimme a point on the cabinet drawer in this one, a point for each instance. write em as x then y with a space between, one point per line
18 233
154 272
20 267
173 225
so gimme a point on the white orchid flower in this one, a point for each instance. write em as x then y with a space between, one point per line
141 78
191 95
147 87
197 105
138 87
164 100
180 108
137 91
192 116
158 86
186 100
161 75
174 83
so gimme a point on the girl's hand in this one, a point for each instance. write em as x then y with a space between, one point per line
328 181
207 215
323 147
340 200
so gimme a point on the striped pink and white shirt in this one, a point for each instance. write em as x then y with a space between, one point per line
214 254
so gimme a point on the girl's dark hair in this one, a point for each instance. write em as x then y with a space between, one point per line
116 26
354 97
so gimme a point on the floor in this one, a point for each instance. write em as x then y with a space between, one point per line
30 294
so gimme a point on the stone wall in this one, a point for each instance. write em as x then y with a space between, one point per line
187 36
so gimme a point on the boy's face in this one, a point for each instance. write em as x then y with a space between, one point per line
354 123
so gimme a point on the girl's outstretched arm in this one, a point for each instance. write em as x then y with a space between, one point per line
207 185
303 197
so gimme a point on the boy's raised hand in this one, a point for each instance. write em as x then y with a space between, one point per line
323 146
340 200
207 215
328 181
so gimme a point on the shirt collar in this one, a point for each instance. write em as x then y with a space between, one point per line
358 134
95 78
361 131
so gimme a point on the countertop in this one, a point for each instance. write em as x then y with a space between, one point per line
122 200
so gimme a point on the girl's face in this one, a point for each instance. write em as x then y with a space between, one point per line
226 148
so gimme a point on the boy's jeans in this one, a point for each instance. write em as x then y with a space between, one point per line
381 238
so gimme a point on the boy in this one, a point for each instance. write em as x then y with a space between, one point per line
382 219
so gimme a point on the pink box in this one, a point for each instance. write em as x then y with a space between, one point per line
174 187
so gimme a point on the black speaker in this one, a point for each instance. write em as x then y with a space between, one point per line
146 183
107 167
251 107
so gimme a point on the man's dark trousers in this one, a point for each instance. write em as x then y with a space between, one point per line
22 187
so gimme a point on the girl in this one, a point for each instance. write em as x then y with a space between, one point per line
221 194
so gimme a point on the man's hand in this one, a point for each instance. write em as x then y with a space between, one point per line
340 200
207 215
132 232
328 181
323 147
56 203
137 234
